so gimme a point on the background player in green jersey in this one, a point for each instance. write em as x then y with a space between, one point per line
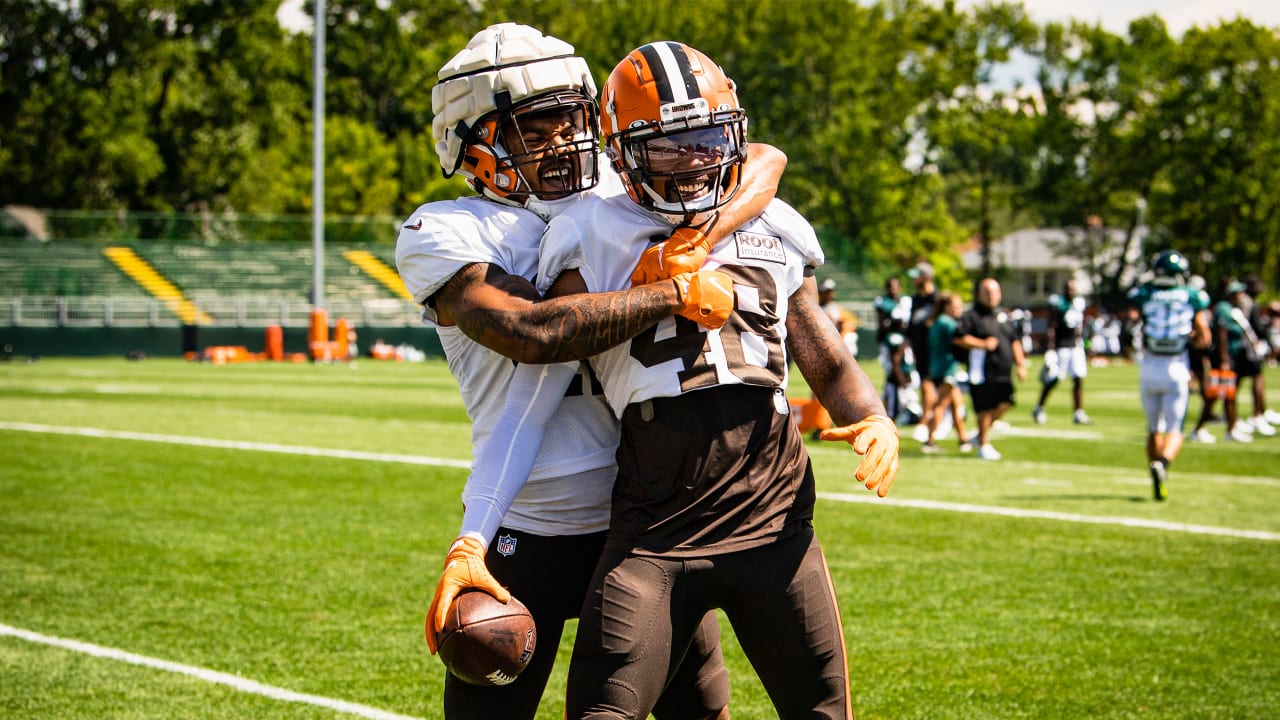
1174 315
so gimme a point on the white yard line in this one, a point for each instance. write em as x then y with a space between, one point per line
950 455
841 497
212 676
1051 433
235 445
1050 515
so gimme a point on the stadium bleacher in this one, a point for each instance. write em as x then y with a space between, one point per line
35 268
31 268
277 271
47 282
74 282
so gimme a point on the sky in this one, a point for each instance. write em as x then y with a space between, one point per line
1179 15
1113 14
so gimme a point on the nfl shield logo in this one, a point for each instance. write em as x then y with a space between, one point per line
506 545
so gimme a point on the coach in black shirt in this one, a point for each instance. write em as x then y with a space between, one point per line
994 353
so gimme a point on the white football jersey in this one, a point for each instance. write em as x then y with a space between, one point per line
440 238
767 258
566 494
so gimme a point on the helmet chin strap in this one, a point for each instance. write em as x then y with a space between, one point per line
678 218
485 191
684 213
543 208
521 190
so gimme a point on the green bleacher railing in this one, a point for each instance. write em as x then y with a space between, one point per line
213 228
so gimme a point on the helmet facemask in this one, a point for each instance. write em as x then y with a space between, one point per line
674 130
543 148
495 90
684 170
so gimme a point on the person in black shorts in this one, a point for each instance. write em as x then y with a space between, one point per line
994 353
922 302
1255 353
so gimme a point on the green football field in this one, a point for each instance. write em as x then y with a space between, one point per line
186 540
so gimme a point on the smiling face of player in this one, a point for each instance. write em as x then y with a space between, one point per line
551 150
685 166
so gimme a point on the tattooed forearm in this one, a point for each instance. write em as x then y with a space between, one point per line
828 367
570 327
579 326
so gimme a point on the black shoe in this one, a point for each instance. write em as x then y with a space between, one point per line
1158 474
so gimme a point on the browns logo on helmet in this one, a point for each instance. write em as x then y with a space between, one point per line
515 113
674 130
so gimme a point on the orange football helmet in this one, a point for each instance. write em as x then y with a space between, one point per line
674 130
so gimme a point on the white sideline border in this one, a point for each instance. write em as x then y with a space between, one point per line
1051 515
211 676
464 464
234 444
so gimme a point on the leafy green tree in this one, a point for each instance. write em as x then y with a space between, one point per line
360 176
71 132
898 147
1180 135
1095 160
978 140
1219 117
381 62
156 105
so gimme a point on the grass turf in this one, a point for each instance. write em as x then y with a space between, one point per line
312 573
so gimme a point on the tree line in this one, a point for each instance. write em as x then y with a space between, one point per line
902 140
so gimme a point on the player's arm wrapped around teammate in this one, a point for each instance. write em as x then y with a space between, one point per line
502 466
464 568
707 297
683 252
875 438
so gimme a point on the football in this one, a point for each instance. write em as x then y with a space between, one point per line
484 642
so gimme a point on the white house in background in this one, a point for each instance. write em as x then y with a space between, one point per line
1035 263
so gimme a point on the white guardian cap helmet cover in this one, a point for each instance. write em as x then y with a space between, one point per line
506 71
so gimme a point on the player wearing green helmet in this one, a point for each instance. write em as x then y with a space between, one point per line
1174 315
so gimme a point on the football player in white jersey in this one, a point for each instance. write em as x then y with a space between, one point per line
1174 316
515 113
713 503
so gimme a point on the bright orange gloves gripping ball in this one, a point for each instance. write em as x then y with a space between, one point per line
463 568
876 439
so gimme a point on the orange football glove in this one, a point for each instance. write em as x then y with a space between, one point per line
683 252
463 568
707 296
875 438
